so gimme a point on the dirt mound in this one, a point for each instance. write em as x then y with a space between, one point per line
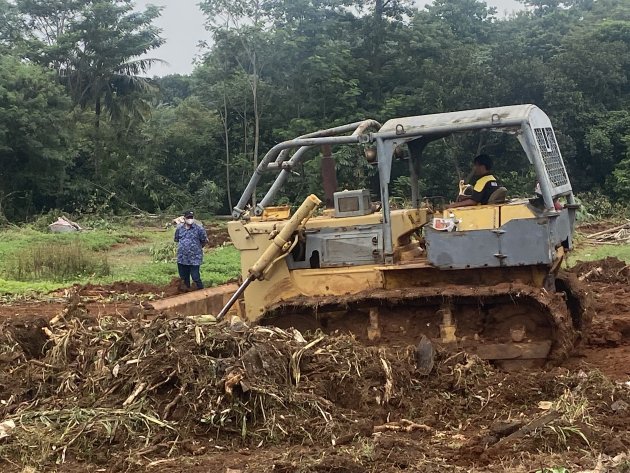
611 324
607 281
173 288
590 228
133 288
609 270
120 289
121 394
217 236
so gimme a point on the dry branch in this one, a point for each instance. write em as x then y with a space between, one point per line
403 425
611 236
136 392
528 428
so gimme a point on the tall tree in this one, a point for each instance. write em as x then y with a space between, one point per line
106 46
34 137
106 69
245 19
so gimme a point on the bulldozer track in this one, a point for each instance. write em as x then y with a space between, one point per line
562 315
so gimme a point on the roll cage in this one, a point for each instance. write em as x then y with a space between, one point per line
528 123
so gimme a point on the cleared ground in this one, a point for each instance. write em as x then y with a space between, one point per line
87 386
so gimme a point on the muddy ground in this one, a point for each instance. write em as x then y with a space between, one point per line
86 387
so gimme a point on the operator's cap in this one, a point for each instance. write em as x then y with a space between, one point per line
188 214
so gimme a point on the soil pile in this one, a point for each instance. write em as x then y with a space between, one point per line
217 236
608 270
120 289
120 394
608 282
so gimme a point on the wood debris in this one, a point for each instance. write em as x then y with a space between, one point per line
611 236
403 425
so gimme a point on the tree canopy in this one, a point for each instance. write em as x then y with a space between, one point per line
84 129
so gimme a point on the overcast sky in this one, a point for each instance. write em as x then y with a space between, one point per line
183 28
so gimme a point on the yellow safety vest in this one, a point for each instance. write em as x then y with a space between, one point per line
481 183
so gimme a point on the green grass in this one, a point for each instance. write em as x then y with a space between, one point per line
58 263
583 251
590 253
100 240
28 287
128 252
220 265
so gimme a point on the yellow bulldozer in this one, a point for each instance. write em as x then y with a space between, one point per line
485 278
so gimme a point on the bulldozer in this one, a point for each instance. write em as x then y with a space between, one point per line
486 279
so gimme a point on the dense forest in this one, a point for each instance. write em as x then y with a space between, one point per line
84 129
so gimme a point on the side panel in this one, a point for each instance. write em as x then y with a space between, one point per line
462 250
336 281
517 243
561 228
240 236
353 247
340 246
526 242
520 210
353 241
476 218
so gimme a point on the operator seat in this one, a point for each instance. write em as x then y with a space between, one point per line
498 197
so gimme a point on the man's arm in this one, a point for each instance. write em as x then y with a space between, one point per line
203 236
475 198
177 234
464 203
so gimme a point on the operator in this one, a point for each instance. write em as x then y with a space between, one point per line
484 187
191 238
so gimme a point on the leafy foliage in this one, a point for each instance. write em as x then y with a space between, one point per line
165 252
33 137
82 127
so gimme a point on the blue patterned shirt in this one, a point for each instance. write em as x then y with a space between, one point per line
191 241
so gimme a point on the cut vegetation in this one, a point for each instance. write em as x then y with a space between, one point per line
85 386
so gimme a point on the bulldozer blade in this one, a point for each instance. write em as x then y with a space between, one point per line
202 302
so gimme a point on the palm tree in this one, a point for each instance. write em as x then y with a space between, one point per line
120 91
105 68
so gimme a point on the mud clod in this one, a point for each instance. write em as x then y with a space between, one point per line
609 270
30 337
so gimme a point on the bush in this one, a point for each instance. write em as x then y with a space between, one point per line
620 179
401 187
58 262
209 197
597 206
519 184
164 252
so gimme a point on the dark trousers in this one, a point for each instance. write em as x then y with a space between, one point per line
187 271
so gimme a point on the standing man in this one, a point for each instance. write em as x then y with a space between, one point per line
191 238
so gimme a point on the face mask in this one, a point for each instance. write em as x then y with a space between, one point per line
190 221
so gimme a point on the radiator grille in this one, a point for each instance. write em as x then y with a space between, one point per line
551 156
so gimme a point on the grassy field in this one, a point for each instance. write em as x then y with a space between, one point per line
591 252
128 252
144 254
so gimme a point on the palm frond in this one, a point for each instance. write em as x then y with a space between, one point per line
138 66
